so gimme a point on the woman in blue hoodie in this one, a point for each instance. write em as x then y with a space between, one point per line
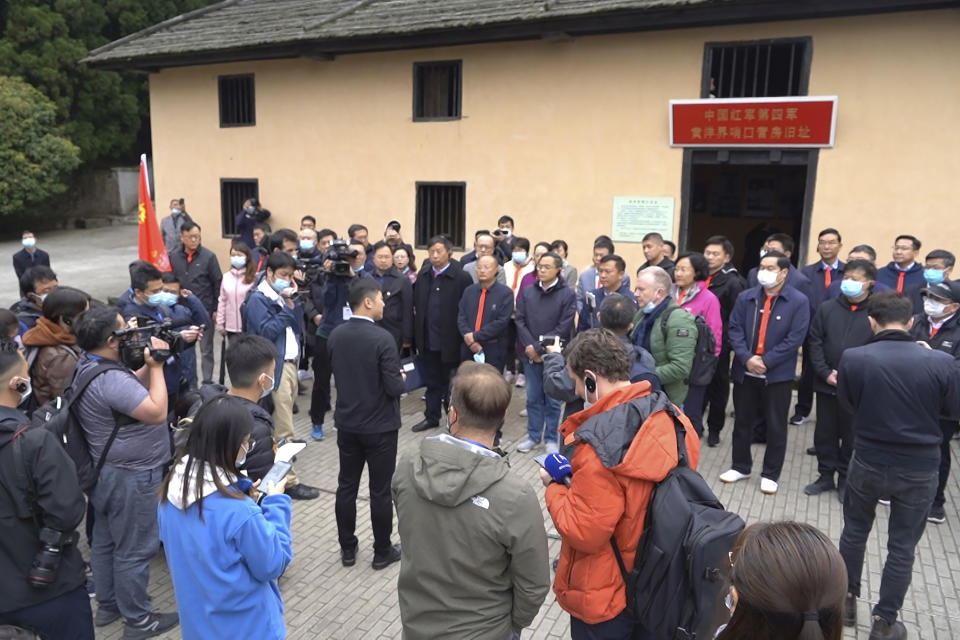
225 548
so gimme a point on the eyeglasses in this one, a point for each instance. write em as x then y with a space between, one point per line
546 267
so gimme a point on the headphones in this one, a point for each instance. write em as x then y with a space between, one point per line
590 383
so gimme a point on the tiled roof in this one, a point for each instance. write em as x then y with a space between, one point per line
235 25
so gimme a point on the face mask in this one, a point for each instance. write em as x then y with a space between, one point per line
851 288
157 299
175 212
933 276
243 456
358 269
169 299
265 392
649 307
767 278
25 394
519 257
763 252
251 210
29 242
933 308
479 357
43 297
280 284
238 262
307 245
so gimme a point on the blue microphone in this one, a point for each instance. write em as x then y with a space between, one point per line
559 468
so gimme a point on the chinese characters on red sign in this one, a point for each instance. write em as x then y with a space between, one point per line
756 122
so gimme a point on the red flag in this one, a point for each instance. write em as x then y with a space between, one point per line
151 241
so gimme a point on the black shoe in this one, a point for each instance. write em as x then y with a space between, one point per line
937 515
820 485
423 425
799 419
713 439
152 625
811 451
348 557
296 409
105 615
382 562
883 630
850 611
303 492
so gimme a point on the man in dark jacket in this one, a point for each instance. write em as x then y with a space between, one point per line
249 216
397 296
726 283
839 324
768 324
939 327
29 256
484 316
35 284
199 272
436 299
438 490
545 309
34 458
366 369
904 273
898 391
611 272
655 251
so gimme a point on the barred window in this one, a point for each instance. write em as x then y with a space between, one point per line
765 68
233 193
237 103
441 210
437 88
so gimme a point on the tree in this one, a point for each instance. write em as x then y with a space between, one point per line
34 157
42 41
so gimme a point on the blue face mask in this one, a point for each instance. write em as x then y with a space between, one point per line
280 284
358 269
161 298
649 307
307 245
851 288
519 257
238 262
933 276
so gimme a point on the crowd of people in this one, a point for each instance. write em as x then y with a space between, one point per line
598 354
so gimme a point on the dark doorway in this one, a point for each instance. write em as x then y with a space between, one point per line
746 196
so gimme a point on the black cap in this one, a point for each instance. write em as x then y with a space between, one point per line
946 290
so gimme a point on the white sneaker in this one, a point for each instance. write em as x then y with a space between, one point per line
732 475
551 447
521 381
526 445
884 502
768 486
523 413
508 376
304 374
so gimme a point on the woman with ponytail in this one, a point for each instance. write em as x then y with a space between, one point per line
787 582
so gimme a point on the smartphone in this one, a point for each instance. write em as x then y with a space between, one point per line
277 472
540 459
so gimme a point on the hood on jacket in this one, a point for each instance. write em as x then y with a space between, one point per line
47 333
175 488
450 471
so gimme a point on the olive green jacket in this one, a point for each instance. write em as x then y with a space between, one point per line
674 357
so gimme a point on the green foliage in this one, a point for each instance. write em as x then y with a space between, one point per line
42 42
34 158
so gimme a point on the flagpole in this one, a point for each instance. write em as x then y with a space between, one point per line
146 173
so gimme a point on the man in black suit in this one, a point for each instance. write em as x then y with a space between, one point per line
436 299
29 256
366 370
397 296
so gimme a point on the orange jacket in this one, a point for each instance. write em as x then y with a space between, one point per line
616 466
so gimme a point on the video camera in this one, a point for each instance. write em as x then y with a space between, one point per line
311 269
135 339
341 255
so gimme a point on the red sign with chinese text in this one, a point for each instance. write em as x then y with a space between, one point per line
754 122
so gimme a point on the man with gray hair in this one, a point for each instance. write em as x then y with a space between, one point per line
455 494
665 330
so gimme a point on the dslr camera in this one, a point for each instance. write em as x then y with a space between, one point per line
135 339
341 255
46 564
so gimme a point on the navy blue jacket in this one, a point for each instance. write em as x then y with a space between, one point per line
815 273
334 299
397 305
898 391
246 223
267 318
497 309
450 286
912 279
588 317
545 313
23 260
786 330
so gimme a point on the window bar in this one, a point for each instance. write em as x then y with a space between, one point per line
733 72
793 48
756 68
766 74
723 54
745 74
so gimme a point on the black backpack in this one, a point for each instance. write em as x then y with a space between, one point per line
58 416
705 355
683 554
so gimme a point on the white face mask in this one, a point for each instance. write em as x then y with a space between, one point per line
933 308
767 278
265 392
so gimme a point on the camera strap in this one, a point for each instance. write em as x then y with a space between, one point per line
22 494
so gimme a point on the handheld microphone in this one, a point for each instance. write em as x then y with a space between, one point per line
559 468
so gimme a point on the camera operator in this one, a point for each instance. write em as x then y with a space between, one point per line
251 214
391 235
124 500
503 235
310 268
149 300
35 525
343 263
